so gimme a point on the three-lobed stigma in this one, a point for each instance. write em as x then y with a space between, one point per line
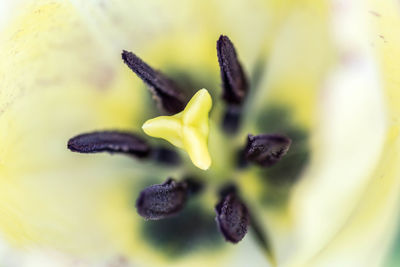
187 130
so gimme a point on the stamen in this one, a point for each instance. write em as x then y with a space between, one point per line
241 160
231 120
227 189
166 156
162 200
194 185
234 81
232 218
166 92
110 141
266 149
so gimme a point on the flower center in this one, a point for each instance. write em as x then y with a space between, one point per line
171 209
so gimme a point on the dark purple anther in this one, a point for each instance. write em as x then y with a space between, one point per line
110 141
162 200
232 218
266 149
234 81
166 92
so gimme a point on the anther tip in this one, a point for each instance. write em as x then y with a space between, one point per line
223 38
71 145
125 54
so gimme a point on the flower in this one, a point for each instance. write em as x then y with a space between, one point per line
328 82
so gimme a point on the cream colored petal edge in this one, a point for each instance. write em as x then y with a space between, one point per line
349 142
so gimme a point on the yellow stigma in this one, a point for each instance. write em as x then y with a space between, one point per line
187 130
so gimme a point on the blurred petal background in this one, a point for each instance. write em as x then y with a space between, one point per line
324 72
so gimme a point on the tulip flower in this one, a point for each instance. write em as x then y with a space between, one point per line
230 133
